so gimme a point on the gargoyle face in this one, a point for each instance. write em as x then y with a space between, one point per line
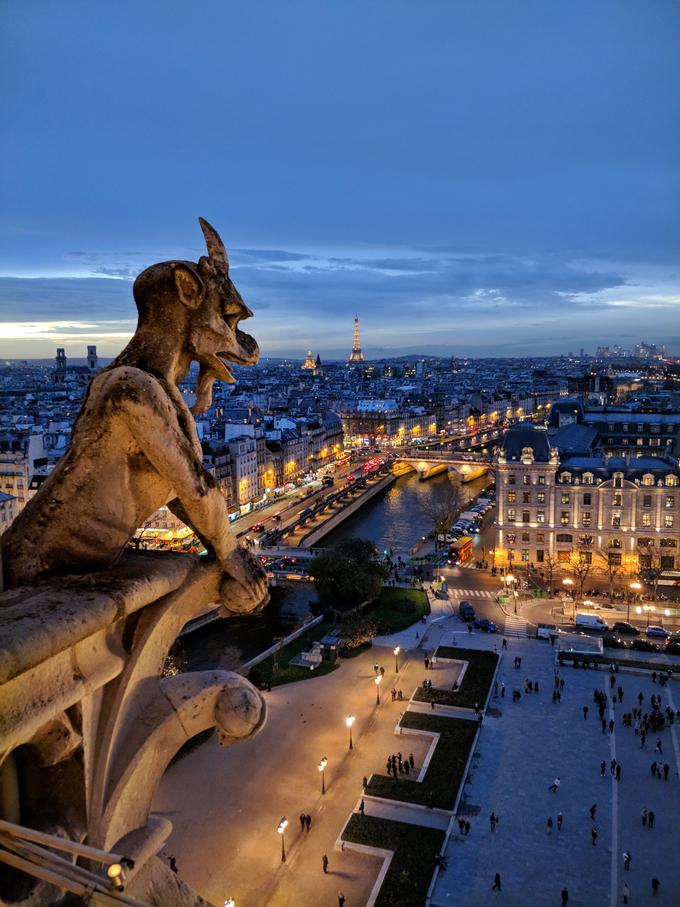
214 338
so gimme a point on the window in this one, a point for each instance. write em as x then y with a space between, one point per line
540 537
512 497
669 543
624 427
540 554
526 516
617 500
618 480
646 500
655 429
526 497
563 557
614 559
564 517
670 502
616 520
565 497
586 517
655 442
671 480
585 540
640 427
625 442
644 560
588 478
564 537
565 478
610 440
525 554
512 538
511 479
540 497
587 500
645 542
540 516
646 520
526 479
640 442
541 480
648 479
668 521
512 514
585 557
610 426
615 543
526 536
667 562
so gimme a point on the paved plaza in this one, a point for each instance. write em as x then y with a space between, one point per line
225 803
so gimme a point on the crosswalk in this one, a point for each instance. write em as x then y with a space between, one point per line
515 626
472 593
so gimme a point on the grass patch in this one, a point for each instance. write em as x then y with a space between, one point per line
277 671
396 609
476 682
415 848
444 774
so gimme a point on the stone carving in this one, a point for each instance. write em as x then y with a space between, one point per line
134 446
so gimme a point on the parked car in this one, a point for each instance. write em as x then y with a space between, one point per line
482 623
591 622
622 626
672 647
644 645
466 611
257 527
328 480
614 642
658 632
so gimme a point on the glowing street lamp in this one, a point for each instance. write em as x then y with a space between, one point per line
377 688
568 583
510 583
114 873
635 587
283 824
230 902
322 768
397 650
349 721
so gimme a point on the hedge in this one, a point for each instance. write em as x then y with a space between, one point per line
415 848
476 682
445 772
398 608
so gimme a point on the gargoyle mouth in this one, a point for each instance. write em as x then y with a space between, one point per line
246 352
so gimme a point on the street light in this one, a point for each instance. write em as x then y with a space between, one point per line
635 586
322 768
281 828
510 583
568 583
349 721
397 650
230 902
377 688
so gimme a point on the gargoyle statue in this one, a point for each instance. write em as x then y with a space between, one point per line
134 446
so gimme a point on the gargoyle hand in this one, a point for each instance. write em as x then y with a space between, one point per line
244 587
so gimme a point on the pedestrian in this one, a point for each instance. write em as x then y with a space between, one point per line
461 826
467 827
611 726
666 770
432 704
625 891
603 766
593 836
650 819
652 769
618 771
553 787
644 817
492 821
657 748
411 760
565 896
604 725
612 766
496 882
560 820
655 886
407 768
549 825
502 690
324 863
341 899
593 810
362 808
627 860
505 643
364 783
308 821
302 821
585 712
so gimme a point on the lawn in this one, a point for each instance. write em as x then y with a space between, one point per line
444 774
415 848
397 609
476 681
276 668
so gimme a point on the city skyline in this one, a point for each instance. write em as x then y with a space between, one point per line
468 184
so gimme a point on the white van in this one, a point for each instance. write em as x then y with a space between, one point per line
591 622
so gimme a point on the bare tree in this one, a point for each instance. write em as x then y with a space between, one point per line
608 566
550 566
580 566
442 508
649 556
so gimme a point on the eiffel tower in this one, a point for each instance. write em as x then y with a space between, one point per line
356 356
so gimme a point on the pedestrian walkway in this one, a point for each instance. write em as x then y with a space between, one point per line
458 592
515 625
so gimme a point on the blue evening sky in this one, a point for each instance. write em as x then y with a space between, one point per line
472 176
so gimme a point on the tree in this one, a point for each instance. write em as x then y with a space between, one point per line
606 565
349 574
550 565
441 509
580 565
358 630
649 557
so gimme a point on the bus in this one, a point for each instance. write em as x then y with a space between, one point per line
461 550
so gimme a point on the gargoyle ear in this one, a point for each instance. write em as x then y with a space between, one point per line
190 288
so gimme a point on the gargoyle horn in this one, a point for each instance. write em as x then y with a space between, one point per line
215 246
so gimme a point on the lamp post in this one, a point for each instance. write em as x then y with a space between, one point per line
509 580
281 828
322 768
635 587
349 721
377 689
568 583
230 902
397 650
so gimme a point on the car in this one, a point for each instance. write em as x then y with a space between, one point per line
482 623
614 642
672 647
257 527
328 480
644 645
658 632
623 627
466 611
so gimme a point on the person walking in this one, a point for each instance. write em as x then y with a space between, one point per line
593 810
565 896
655 886
625 891
324 863
411 760
644 817
666 770
362 808
618 771
657 748
585 712
364 783
341 899
493 819
650 819
554 786
560 820
603 767
593 836
496 882
549 825
467 826
302 821
627 860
